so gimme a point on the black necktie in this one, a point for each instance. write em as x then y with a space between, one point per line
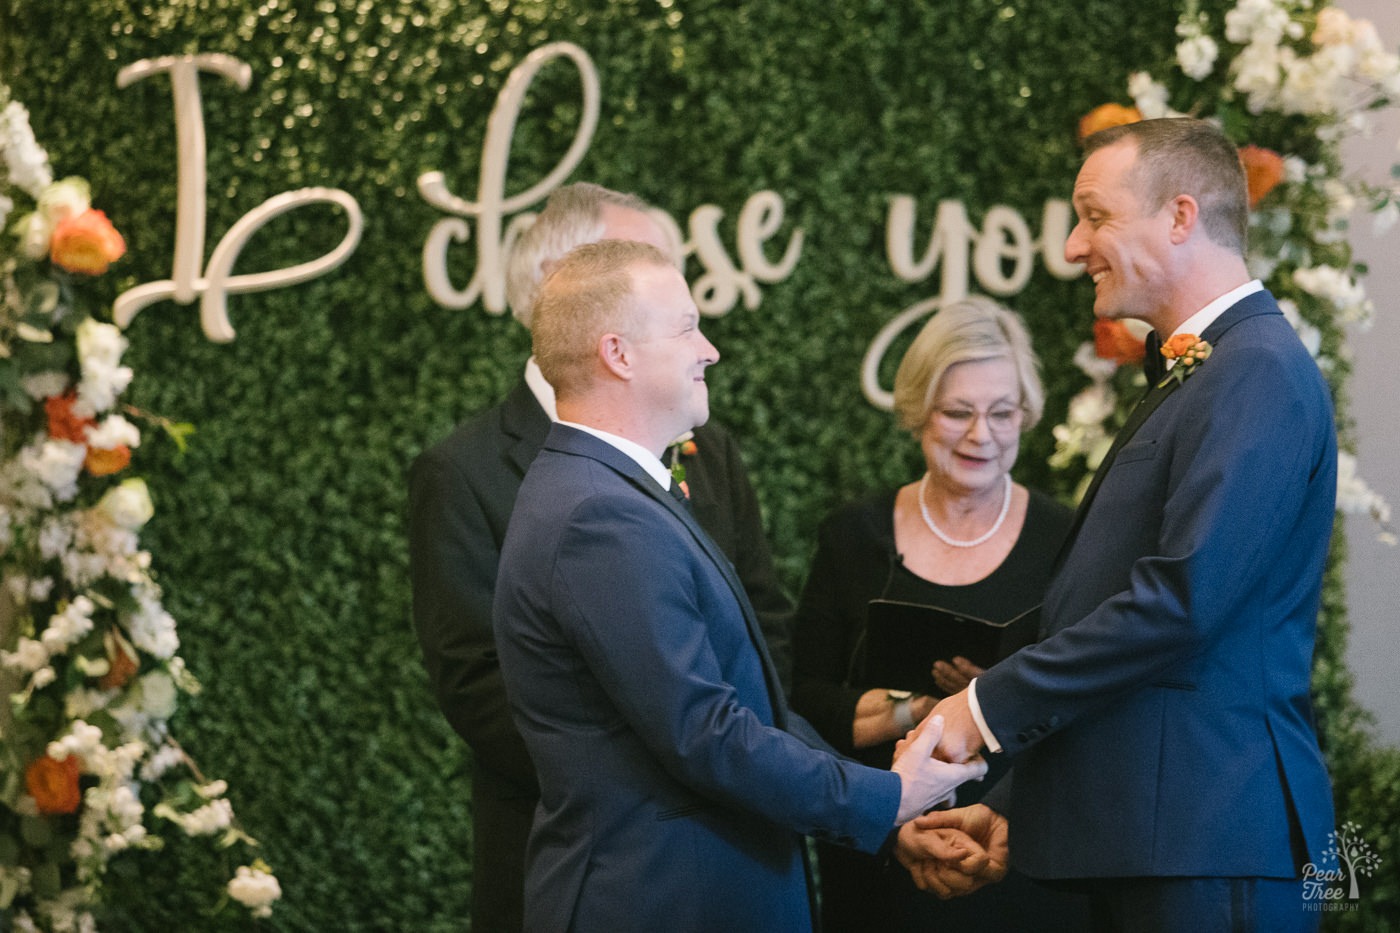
1153 364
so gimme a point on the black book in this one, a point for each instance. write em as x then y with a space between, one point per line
902 640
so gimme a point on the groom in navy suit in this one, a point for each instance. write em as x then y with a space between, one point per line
674 786
1162 730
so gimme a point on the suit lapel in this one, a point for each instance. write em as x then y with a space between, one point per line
581 442
1257 303
525 423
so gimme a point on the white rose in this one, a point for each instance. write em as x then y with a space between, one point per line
158 695
64 199
128 504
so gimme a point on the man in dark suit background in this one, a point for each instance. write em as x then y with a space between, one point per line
674 792
1165 754
461 493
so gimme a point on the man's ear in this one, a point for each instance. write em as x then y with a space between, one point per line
615 353
1184 214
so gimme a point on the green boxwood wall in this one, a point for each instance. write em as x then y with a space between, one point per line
279 536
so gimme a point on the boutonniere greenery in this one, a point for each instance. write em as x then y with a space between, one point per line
683 446
1189 351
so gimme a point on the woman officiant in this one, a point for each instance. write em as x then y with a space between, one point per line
964 538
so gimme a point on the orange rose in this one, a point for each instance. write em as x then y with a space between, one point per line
1106 115
100 462
54 784
1178 345
86 243
1263 170
689 448
63 424
1113 341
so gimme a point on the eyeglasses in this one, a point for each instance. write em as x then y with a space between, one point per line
1001 421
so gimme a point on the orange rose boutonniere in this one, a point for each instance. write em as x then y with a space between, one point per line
1189 351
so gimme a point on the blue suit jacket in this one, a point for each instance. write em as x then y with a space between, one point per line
1163 727
671 796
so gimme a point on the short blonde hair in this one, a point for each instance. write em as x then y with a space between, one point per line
974 328
572 216
591 292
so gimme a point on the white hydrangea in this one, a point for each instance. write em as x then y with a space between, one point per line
1196 52
1149 96
1258 72
1346 294
1309 335
25 159
152 629
1356 497
100 349
113 431
1263 21
56 463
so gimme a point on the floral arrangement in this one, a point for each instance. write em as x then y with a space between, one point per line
1287 80
88 663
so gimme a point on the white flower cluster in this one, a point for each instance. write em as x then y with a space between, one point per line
1355 497
1346 68
26 162
1339 289
255 889
57 544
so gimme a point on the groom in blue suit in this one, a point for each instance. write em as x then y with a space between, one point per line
674 786
1162 731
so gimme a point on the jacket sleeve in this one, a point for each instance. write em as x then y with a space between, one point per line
455 535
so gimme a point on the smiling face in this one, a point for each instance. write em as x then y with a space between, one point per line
670 354
973 432
1122 242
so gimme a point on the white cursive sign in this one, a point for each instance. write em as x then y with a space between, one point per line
218 281
716 290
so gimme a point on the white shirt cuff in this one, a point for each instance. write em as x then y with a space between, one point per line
976 709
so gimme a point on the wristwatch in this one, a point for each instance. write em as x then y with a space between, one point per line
902 709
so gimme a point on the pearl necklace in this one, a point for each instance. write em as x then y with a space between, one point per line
954 542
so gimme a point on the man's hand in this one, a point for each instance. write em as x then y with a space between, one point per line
955 852
961 739
952 676
925 781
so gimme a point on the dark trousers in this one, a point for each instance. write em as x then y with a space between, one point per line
1200 905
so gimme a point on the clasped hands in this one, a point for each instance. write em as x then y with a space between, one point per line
950 852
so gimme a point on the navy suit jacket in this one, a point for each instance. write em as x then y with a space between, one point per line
671 796
461 493
1163 726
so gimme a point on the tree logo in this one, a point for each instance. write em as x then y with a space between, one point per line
1335 885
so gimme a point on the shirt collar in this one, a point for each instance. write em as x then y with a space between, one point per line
645 459
542 390
1198 322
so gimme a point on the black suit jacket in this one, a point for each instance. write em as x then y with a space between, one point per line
461 493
